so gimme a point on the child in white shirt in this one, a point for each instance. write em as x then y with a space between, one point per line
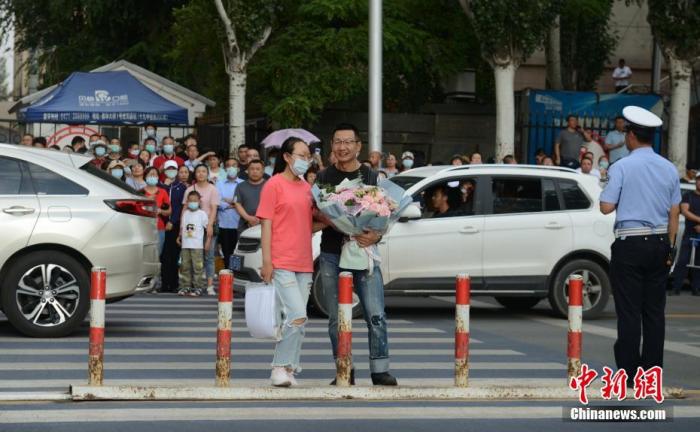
193 227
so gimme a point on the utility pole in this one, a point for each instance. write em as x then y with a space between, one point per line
375 75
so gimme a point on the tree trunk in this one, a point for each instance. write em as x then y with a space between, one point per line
553 54
505 110
236 112
679 112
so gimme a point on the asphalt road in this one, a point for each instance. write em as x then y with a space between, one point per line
171 340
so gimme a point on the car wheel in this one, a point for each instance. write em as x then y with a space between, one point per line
518 304
317 301
46 294
596 288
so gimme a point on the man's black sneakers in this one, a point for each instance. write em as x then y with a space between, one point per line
352 377
383 379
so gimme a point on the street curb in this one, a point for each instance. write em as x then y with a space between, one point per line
164 393
34 396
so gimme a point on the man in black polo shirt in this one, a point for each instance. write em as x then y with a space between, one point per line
346 146
690 208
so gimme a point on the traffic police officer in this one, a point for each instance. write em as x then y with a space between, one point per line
644 189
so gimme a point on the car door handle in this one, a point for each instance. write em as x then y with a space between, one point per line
554 225
469 230
17 210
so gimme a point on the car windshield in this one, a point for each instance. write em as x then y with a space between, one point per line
405 181
92 169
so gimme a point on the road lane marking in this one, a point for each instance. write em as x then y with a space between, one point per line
118 318
408 330
264 382
300 413
155 339
676 347
208 365
248 352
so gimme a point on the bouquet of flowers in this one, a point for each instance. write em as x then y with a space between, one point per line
353 208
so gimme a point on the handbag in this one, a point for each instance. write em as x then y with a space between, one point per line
261 312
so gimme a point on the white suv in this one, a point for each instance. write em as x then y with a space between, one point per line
520 236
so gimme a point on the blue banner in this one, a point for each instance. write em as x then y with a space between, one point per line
547 112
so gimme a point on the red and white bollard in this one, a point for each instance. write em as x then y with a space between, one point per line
575 324
98 289
343 362
223 332
463 295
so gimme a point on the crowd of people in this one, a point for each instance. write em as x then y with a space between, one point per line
202 200
184 181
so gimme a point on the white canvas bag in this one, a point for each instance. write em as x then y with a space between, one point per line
261 312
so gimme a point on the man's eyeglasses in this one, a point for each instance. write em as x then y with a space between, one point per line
345 142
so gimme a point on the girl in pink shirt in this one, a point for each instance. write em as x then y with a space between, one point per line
287 225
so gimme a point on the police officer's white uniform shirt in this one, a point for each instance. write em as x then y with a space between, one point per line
644 186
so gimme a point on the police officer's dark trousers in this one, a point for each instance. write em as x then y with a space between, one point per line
638 273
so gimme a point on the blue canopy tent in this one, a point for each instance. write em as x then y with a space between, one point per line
112 98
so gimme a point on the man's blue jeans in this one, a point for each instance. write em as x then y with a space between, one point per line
370 289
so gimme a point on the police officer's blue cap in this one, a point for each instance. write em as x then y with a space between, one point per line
640 117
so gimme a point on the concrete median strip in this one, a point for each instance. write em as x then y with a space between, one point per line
477 392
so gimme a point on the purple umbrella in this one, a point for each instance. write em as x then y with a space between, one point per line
276 138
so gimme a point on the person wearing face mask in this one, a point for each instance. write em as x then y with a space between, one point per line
175 184
134 150
151 132
209 203
346 145
287 227
151 146
115 150
168 155
227 215
116 169
99 150
407 160
195 237
160 196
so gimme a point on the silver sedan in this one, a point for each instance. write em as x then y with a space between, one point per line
60 217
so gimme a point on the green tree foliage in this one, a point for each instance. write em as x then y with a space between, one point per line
84 34
676 26
196 56
509 31
586 42
318 56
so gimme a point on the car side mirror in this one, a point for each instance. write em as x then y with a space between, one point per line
412 212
